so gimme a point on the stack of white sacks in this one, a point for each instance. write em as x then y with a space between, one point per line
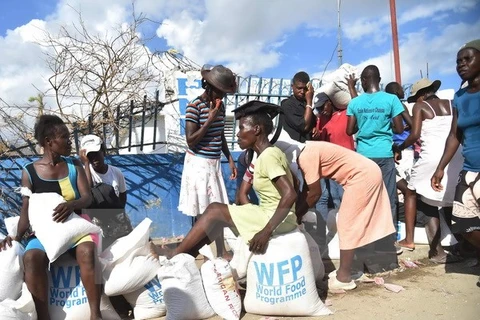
15 300
281 282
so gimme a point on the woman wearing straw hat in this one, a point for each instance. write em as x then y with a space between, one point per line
202 180
431 118
465 129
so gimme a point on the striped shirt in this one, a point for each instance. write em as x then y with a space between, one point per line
211 144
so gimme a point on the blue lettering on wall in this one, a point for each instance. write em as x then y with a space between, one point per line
183 99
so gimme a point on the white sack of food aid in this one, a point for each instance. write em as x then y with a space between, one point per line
333 243
241 254
281 282
336 87
55 237
147 302
121 248
11 271
67 298
317 262
11 224
420 236
183 291
138 268
220 286
9 313
22 308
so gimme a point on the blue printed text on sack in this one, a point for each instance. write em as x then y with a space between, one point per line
66 290
155 291
281 281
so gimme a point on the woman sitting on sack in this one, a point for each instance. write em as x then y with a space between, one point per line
273 183
56 172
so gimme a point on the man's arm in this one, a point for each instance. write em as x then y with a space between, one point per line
352 127
351 83
397 124
86 164
308 114
397 109
122 188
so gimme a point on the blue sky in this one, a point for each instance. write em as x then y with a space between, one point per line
269 38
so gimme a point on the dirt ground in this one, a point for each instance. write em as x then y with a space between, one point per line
431 291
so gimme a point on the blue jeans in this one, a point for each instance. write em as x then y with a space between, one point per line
387 166
331 197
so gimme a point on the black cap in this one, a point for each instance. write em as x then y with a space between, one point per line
256 106
320 100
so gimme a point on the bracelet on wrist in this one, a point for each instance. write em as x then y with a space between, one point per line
309 106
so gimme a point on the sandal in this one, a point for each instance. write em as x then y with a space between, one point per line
448 258
335 284
404 247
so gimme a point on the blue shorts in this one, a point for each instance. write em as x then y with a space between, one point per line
34 243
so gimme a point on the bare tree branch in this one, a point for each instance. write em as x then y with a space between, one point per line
93 73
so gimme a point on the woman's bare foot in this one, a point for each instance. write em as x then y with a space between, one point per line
164 251
410 246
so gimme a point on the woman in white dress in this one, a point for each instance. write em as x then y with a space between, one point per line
432 118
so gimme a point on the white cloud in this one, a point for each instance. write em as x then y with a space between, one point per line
22 63
374 23
247 42
250 35
420 48
431 10
24 72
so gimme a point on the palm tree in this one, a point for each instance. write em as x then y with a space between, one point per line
40 103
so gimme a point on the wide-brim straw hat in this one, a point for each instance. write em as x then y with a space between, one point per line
421 84
220 77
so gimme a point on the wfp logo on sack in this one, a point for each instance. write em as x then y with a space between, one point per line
281 281
155 291
66 290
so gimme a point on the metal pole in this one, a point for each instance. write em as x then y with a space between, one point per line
396 53
339 36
